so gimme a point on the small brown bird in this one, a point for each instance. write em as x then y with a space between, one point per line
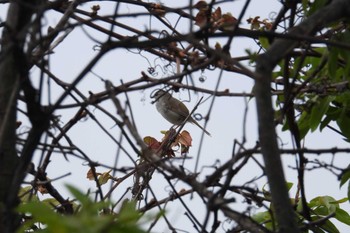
173 110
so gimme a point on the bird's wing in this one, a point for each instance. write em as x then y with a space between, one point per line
182 109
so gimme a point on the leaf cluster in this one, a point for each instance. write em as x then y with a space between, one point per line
89 216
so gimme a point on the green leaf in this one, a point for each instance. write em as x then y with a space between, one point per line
323 205
26 194
266 192
331 115
348 193
345 176
317 230
325 122
289 185
265 219
51 202
333 63
328 226
342 216
304 124
264 42
262 217
91 218
343 122
318 111
343 200
82 198
345 54
44 214
305 5
128 213
316 5
104 177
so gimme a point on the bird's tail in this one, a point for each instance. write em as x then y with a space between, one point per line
196 123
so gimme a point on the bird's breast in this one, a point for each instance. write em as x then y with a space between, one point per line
169 114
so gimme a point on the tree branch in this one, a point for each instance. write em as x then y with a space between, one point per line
268 138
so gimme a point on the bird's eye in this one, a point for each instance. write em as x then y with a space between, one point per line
156 93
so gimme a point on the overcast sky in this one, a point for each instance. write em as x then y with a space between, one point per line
225 122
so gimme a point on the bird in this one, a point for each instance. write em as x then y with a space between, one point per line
173 110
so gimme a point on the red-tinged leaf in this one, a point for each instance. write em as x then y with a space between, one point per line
170 153
185 138
268 24
201 19
42 189
151 142
158 9
227 22
168 135
216 15
201 5
218 46
18 124
90 173
254 23
95 9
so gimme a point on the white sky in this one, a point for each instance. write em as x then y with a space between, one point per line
225 123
